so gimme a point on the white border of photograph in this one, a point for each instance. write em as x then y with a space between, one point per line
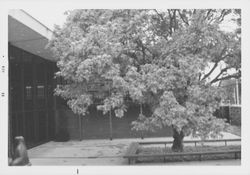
42 6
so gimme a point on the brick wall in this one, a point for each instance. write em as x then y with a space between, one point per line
232 114
95 125
235 115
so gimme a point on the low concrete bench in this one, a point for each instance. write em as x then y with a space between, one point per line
132 152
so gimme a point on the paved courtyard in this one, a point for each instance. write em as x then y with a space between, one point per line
100 152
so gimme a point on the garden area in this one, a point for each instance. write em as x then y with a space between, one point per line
127 86
171 61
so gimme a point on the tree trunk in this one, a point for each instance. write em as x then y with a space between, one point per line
178 141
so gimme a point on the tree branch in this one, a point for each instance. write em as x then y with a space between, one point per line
182 18
208 13
210 72
223 14
175 21
161 17
170 22
237 75
221 72
132 55
216 79
139 42
159 14
155 28
219 58
199 78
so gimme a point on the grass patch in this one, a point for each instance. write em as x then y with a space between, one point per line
187 149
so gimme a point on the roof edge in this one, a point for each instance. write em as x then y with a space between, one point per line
26 19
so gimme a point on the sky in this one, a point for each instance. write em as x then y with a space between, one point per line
56 16
50 18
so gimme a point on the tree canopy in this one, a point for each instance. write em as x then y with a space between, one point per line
162 58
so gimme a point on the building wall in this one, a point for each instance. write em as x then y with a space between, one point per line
232 114
232 88
95 125
31 101
235 115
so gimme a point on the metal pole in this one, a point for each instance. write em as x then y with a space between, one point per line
46 100
110 125
80 127
237 92
110 120
35 113
23 102
142 137
141 108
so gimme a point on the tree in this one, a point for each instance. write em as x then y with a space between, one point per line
158 58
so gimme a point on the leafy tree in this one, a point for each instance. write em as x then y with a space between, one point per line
164 59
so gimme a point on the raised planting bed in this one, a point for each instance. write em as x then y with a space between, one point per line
158 154
148 152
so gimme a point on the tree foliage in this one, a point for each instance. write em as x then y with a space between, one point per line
154 57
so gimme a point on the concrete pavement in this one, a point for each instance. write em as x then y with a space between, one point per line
94 152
